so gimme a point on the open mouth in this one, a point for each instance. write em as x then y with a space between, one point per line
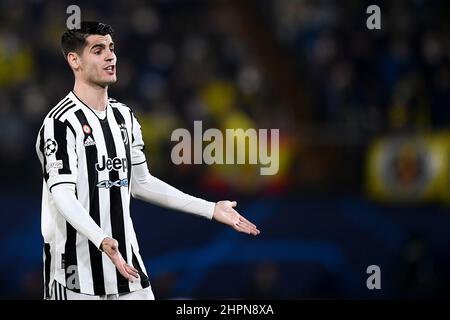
110 69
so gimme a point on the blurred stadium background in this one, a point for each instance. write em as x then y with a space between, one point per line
364 143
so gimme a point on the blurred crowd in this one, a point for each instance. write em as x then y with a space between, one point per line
395 78
180 61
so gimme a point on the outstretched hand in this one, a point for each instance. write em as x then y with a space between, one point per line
111 248
224 213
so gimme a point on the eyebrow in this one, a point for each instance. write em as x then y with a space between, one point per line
101 45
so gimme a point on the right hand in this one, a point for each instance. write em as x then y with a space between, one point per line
110 246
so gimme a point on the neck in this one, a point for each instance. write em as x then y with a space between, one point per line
95 97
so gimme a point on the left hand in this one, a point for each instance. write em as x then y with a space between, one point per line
110 246
224 213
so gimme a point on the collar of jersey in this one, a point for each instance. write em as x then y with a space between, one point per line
84 104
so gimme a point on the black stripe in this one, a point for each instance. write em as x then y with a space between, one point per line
61 292
65 293
41 148
117 220
67 123
70 252
132 127
144 279
60 113
70 247
58 106
136 164
47 264
60 134
94 209
120 120
53 185
66 103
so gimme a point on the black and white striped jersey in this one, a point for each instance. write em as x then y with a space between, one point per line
95 156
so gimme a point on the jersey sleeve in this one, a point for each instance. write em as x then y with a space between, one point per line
148 188
137 146
57 152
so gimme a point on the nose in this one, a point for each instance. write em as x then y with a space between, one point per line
111 56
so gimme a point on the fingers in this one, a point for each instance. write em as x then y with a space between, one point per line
124 272
246 227
252 229
245 222
127 271
241 218
231 217
132 271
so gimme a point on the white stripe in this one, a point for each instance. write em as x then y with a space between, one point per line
83 258
72 150
38 148
60 227
49 133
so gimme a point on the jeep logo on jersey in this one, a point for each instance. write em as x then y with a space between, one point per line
112 164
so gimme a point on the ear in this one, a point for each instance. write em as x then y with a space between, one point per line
74 60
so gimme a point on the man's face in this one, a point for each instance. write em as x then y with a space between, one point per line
98 61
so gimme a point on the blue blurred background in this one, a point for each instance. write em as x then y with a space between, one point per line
363 115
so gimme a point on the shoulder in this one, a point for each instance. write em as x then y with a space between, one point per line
119 105
124 110
61 110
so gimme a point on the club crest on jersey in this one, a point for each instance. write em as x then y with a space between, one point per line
124 133
86 129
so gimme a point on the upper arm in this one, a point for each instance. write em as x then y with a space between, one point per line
57 152
137 143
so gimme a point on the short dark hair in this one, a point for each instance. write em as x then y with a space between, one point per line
74 40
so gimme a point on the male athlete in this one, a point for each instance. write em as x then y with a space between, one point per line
91 150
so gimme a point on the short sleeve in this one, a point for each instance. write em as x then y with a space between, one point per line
57 152
137 146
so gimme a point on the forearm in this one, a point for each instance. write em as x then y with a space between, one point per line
146 187
72 210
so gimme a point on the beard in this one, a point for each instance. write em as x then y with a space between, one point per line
103 81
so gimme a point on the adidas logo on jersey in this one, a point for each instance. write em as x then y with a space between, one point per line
89 141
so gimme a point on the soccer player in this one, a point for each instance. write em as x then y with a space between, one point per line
91 151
